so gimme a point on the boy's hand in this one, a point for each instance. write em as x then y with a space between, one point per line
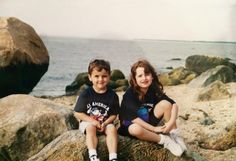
96 123
103 126
101 129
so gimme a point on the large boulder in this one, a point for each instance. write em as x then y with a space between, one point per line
71 146
117 74
214 91
23 57
221 73
223 140
81 82
177 76
27 124
201 63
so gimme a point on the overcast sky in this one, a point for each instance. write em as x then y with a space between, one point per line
204 20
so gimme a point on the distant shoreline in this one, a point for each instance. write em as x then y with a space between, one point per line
201 41
109 39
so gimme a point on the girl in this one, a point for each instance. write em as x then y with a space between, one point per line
144 105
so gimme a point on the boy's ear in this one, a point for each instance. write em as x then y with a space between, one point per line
89 77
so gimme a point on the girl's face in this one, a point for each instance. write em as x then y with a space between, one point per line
143 80
99 79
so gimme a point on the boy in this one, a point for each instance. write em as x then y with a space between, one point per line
97 108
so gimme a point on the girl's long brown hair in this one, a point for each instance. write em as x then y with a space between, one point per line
156 85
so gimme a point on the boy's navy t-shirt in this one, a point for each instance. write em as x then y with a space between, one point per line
98 105
132 107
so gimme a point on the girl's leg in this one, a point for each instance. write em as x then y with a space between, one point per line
164 108
143 134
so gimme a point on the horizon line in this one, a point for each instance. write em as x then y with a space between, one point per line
118 39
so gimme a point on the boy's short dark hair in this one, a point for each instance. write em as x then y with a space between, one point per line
99 64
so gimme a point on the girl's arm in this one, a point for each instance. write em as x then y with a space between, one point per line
174 115
174 112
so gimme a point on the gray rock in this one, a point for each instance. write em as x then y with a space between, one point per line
221 73
216 90
117 74
202 63
80 80
221 141
117 81
71 146
177 76
27 124
207 121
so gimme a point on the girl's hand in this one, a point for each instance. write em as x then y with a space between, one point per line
168 127
159 129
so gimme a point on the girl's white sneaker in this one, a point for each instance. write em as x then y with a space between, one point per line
174 134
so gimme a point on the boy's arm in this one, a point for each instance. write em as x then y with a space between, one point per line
114 111
82 116
109 120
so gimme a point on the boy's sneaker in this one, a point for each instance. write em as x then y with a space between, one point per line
94 158
174 134
171 145
114 159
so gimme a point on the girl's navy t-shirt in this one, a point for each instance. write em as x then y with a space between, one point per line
131 106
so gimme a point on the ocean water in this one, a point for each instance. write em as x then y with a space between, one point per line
70 56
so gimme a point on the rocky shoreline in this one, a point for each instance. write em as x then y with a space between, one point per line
45 129
214 142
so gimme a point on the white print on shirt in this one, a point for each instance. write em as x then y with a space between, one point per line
97 110
149 105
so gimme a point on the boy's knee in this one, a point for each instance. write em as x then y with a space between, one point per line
91 128
110 128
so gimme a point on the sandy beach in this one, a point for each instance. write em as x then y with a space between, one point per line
221 111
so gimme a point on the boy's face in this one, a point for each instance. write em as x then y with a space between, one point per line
99 79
